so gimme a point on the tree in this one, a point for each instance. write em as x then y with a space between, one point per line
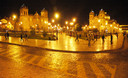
32 31
78 27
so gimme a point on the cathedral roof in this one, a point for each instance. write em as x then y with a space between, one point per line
36 13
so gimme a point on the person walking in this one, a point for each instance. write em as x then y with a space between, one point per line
76 37
111 39
103 38
7 35
21 36
89 40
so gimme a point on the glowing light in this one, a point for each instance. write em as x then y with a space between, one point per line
58 24
9 23
66 22
110 25
55 25
21 23
74 19
85 25
0 22
45 22
106 23
94 26
98 20
53 20
49 23
71 23
120 29
14 17
67 27
56 15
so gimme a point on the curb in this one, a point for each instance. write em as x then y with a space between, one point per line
66 51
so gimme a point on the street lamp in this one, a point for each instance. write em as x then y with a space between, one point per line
74 19
56 15
71 23
14 17
53 20
66 22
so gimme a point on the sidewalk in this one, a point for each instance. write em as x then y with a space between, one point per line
67 43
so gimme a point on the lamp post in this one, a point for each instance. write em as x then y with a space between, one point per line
14 17
57 16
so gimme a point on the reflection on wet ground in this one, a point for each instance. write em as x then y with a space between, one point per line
65 42
84 65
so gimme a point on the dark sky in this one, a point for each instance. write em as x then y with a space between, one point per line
117 9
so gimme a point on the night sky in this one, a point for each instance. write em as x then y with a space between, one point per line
117 9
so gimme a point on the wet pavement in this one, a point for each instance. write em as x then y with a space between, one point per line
28 62
67 43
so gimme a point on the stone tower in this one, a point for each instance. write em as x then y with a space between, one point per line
44 19
24 18
91 17
101 14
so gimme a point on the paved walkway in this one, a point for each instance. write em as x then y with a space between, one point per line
68 43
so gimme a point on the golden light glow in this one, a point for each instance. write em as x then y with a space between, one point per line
56 15
66 22
21 23
49 23
67 27
71 23
45 22
110 25
106 23
14 17
0 22
9 23
120 29
53 20
94 26
98 20
74 19
58 24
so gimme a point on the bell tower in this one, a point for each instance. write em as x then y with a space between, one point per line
23 10
24 18
44 13
44 19
91 17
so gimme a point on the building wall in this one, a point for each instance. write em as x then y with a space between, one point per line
102 22
33 21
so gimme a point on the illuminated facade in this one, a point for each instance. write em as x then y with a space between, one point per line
36 21
102 22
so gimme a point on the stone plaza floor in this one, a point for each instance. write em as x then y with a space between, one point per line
67 43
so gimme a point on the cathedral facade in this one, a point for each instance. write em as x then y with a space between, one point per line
28 21
102 22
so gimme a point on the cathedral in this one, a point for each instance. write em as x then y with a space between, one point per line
28 21
102 22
